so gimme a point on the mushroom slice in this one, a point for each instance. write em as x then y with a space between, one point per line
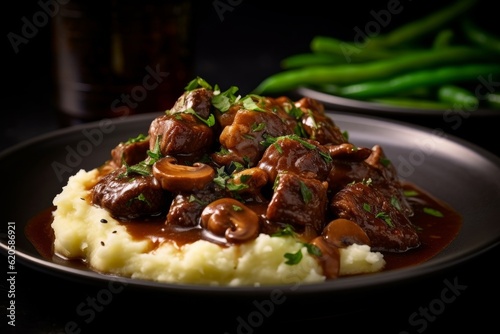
175 178
231 219
344 232
329 258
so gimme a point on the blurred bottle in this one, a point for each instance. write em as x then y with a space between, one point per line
117 58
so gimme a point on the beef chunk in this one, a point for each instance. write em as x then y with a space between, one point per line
198 99
300 202
364 164
317 124
378 215
182 136
129 197
303 157
185 209
242 140
131 152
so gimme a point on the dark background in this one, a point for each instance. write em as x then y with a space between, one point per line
234 43
240 48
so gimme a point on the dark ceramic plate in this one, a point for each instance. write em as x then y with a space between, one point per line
455 171
334 102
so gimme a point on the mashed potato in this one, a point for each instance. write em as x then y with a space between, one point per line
108 248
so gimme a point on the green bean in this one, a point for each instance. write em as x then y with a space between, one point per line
493 100
311 59
349 51
426 77
457 96
420 27
375 70
479 36
443 38
412 103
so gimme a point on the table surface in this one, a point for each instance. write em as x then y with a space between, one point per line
52 304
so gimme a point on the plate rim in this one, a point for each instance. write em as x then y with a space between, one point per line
335 286
373 108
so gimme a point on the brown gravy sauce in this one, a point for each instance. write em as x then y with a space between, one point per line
436 233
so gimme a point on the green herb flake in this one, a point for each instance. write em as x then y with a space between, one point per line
367 207
197 83
299 130
278 148
193 198
345 134
313 249
221 177
237 208
139 138
295 112
284 232
256 127
433 212
410 193
293 258
305 192
384 161
235 187
142 198
366 182
224 100
395 203
385 217
210 121
141 168
249 104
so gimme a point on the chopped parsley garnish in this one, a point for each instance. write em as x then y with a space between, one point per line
381 215
144 167
433 212
385 217
293 258
221 177
142 198
224 181
367 207
210 121
345 134
256 127
367 181
295 112
193 198
384 161
269 140
305 192
237 208
313 250
249 103
224 100
285 231
139 197
139 138
410 193
197 83
395 203
235 187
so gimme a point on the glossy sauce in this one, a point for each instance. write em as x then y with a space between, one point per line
435 233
